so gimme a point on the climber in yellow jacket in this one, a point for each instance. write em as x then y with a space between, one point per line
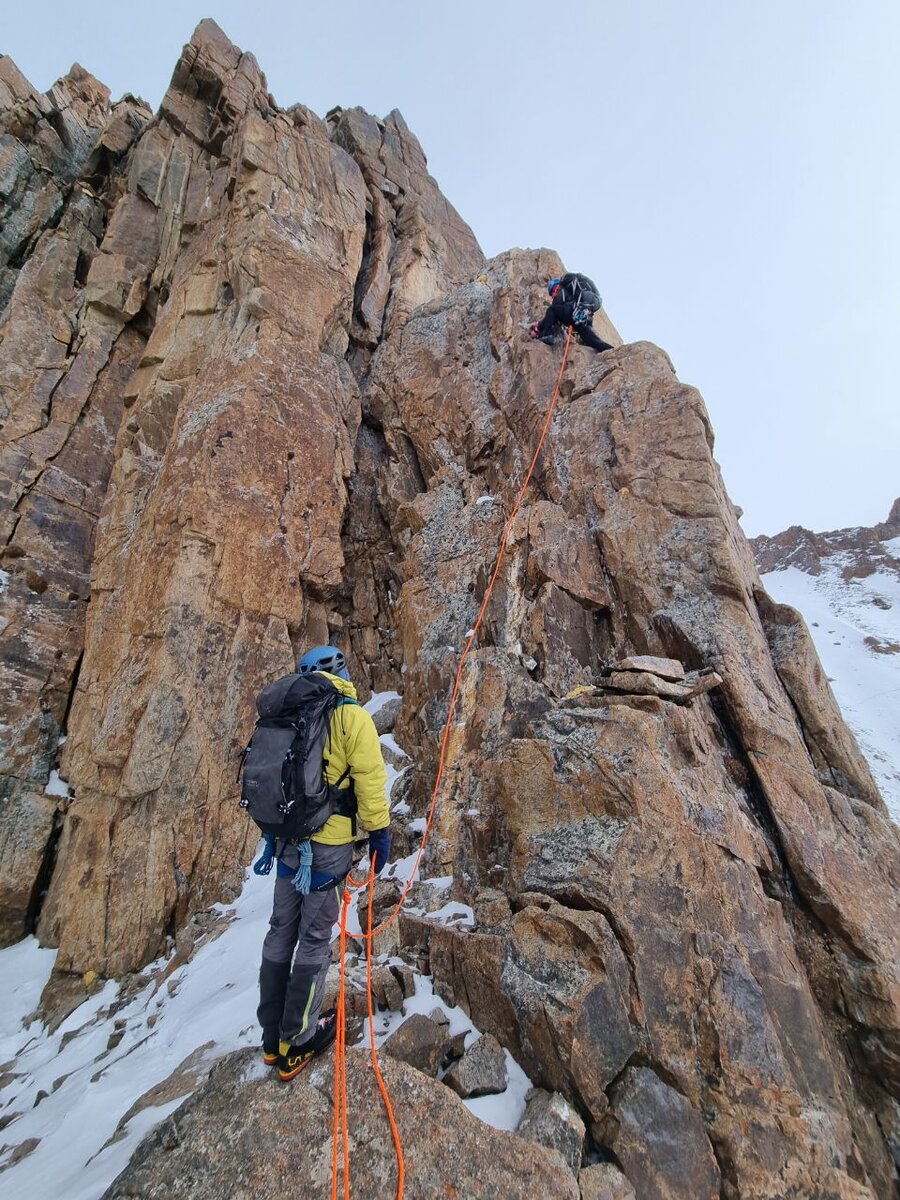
313 767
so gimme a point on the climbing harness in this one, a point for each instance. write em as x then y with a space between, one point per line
340 1132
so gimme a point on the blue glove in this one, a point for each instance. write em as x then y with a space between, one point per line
380 847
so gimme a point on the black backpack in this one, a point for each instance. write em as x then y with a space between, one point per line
283 785
582 293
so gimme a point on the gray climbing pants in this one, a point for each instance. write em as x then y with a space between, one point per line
291 993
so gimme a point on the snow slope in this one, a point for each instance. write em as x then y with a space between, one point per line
855 623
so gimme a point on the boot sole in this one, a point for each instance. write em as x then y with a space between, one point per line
270 1060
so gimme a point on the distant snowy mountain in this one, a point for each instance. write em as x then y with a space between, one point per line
847 586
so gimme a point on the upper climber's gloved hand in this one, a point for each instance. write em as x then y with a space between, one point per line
380 848
533 329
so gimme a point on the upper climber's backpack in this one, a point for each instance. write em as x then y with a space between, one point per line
583 295
283 785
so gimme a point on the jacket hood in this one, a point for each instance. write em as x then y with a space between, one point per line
344 686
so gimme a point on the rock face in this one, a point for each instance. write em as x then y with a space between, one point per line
240 239
65 360
314 401
730 852
243 1127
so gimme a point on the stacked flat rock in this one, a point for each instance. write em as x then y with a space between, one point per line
646 675
665 668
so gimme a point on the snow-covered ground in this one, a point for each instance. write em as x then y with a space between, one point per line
69 1090
855 623
87 1087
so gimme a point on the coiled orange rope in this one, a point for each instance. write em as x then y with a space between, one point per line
340 1131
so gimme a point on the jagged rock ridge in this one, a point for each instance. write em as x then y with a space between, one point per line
326 398
861 549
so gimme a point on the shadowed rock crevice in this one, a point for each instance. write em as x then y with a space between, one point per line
45 872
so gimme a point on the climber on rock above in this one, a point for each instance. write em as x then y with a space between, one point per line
574 300
314 763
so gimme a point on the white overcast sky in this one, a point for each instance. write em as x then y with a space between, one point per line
726 171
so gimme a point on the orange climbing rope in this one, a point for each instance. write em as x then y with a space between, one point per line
395 1132
339 1129
340 1135
340 1124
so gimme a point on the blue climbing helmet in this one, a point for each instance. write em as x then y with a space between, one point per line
324 658
554 283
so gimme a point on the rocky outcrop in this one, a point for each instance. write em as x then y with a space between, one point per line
46 143
235 1128
683 879
185 621
245 230
647 849
416 242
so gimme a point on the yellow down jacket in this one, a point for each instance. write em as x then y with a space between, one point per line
353 742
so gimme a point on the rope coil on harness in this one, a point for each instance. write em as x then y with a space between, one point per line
302 881
340 1121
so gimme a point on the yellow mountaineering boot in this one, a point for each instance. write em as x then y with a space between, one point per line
292 1059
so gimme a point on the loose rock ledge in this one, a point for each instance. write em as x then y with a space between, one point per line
481 1071
552 1122
243 1126
645 675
